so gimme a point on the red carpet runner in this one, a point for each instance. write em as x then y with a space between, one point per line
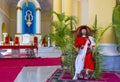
11 62
8 74
64 76
10 67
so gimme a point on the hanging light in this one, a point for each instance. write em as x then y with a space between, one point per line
26 2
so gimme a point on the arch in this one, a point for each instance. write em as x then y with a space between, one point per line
3 30
35 2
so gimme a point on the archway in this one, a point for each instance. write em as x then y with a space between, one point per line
3 30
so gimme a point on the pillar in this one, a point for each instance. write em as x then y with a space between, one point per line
68 7
19 20
38 19
84 10
78 12
57 7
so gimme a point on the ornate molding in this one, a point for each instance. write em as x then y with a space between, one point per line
18 8
38 9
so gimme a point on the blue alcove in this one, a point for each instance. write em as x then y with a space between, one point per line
32 28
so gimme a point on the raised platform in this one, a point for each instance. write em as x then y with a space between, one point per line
13 62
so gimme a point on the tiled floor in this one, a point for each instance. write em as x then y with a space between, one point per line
35 74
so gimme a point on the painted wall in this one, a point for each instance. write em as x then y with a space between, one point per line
4 6
103 9
4 15
12 29
7 16
4 18
9 23
46 24
76 10
13 12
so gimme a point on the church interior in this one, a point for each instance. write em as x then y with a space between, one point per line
26 56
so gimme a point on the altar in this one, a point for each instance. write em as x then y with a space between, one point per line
24 51
20 51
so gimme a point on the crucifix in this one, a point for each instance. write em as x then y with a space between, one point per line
26 2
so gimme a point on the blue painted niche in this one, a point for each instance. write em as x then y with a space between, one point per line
25 28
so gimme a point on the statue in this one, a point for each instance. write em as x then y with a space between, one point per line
84 60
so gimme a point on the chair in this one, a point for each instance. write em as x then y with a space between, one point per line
7 40
16 40
35 40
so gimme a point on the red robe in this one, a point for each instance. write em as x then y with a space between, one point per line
88 61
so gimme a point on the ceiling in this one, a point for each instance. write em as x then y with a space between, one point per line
46 5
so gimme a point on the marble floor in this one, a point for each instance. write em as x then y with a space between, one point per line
35 74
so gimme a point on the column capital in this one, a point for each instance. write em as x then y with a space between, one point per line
38 9
18 8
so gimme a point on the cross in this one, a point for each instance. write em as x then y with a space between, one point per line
26 2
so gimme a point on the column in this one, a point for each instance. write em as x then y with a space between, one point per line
19 20
84 10
38 21
68 7
75 8
78 12
57 7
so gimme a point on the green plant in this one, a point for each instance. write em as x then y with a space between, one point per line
98 58
116 22
63 38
